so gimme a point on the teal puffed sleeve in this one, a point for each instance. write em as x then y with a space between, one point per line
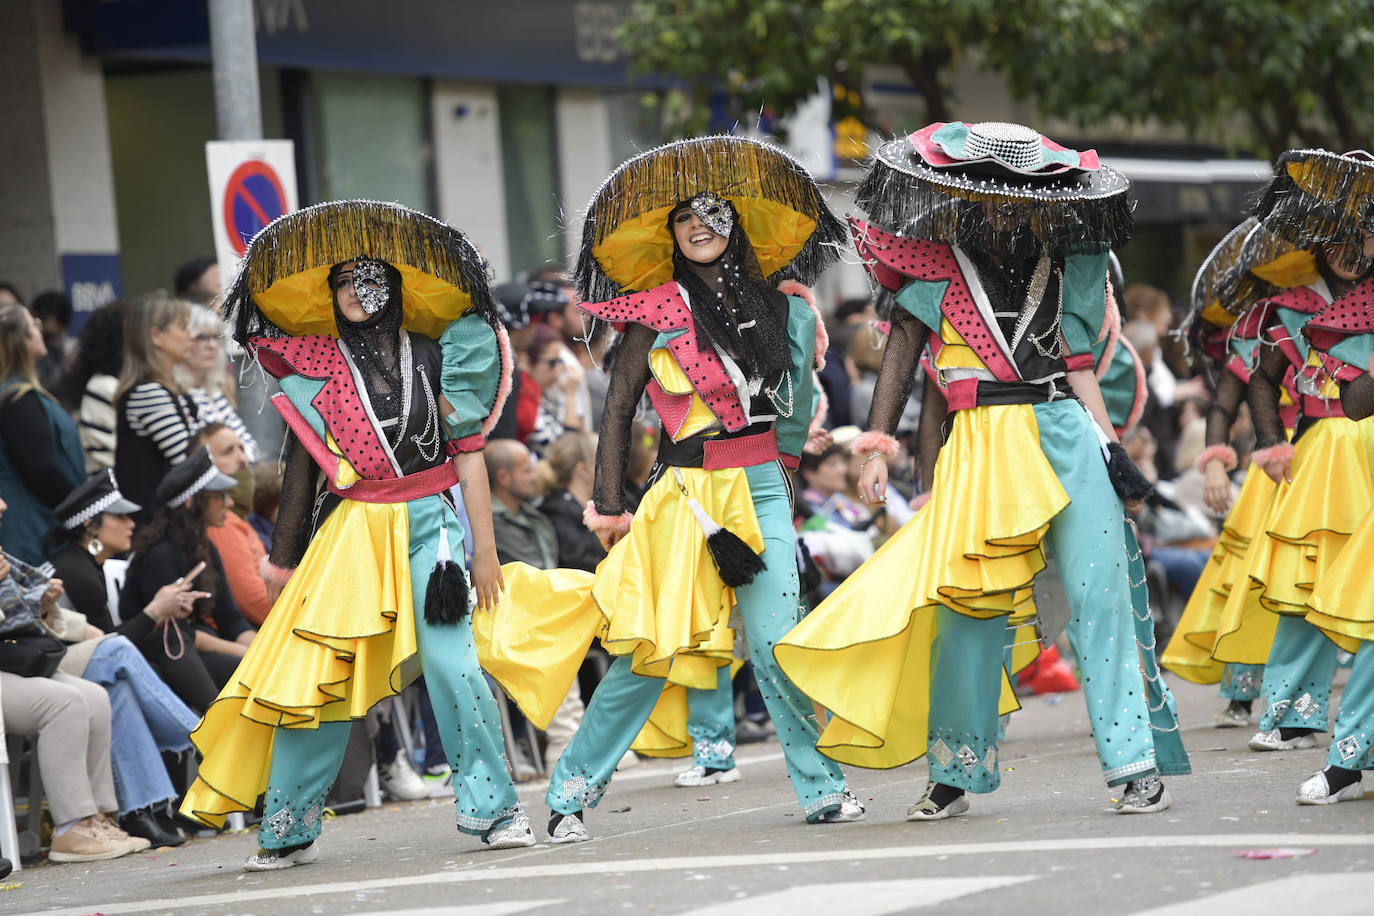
470 375
1085 307
801 338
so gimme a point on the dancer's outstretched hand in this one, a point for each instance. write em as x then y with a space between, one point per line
486 579
873 480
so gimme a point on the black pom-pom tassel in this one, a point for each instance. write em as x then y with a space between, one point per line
446 596
1126 478
735 561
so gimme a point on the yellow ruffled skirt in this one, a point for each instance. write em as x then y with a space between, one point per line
1307 524
1342 604
975 548
656 597
1189 653
340 638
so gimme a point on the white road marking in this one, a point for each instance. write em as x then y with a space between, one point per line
859 898
479 909
1341 894
553 869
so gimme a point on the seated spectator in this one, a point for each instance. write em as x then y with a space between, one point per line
69 717
203 376
54 313
565 480
154 416
562 402
836 531
514 306
236 542
197 663
198 280
40 449
94 377
266 499
148 719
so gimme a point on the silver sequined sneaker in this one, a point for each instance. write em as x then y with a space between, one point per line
1272 740
1317 791
274 859
568 829
928 810
1233 716
850 809
514 833
698 776
1145 795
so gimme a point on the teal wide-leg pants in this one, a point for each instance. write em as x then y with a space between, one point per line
1352 742
769 607
1089 542
305 762
1297 678
711 723
1241 682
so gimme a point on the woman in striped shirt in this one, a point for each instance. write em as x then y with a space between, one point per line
207 381
155 416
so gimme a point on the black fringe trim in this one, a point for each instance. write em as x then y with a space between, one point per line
735 561
1071 217
329 233
1126 478
729 166
446 595
1327 204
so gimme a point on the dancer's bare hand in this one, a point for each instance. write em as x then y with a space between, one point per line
1216 487
817 441
873 482
1280 468
486 579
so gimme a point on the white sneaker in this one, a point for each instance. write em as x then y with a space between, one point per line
698 776
439 783
273 859
401 781
569 829
1317 791
513 834
1233 716
1145 795
851 809
1272 740
927 810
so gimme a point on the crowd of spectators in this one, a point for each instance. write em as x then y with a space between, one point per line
168 595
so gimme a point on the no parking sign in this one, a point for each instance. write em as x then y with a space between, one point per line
252 182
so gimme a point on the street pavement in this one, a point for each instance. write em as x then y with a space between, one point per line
1047 842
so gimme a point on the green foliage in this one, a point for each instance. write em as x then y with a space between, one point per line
1263 74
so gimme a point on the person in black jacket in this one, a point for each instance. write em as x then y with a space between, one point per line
565 479
199 660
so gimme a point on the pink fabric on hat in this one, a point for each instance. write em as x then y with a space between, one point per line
931 152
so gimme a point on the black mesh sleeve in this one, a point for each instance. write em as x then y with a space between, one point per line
629 377
934 408
1222 412
1357 397
1266 381
897 372
295 511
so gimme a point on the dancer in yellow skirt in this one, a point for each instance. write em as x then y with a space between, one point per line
377 321
683 247
1316 202
1247 265
996 241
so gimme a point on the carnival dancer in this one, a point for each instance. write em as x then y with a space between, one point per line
1318 201
1248 265
378 322
683 247
1343 604
996 240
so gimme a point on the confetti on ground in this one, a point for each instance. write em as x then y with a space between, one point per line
1278 852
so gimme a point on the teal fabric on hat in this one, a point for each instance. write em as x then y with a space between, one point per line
953 139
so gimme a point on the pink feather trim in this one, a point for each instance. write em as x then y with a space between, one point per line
874 441
794 288
504 386
1224 452
274 574
1112 319
602 525
1281 452
919 501
1142 385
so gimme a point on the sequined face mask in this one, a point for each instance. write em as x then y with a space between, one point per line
369 285
714 212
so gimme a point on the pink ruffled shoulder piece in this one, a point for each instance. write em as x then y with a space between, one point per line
801 290
503 388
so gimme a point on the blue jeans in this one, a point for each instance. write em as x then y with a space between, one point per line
147 718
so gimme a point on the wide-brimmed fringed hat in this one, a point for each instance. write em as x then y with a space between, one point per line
283 286
626 243
945 175
1318 197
